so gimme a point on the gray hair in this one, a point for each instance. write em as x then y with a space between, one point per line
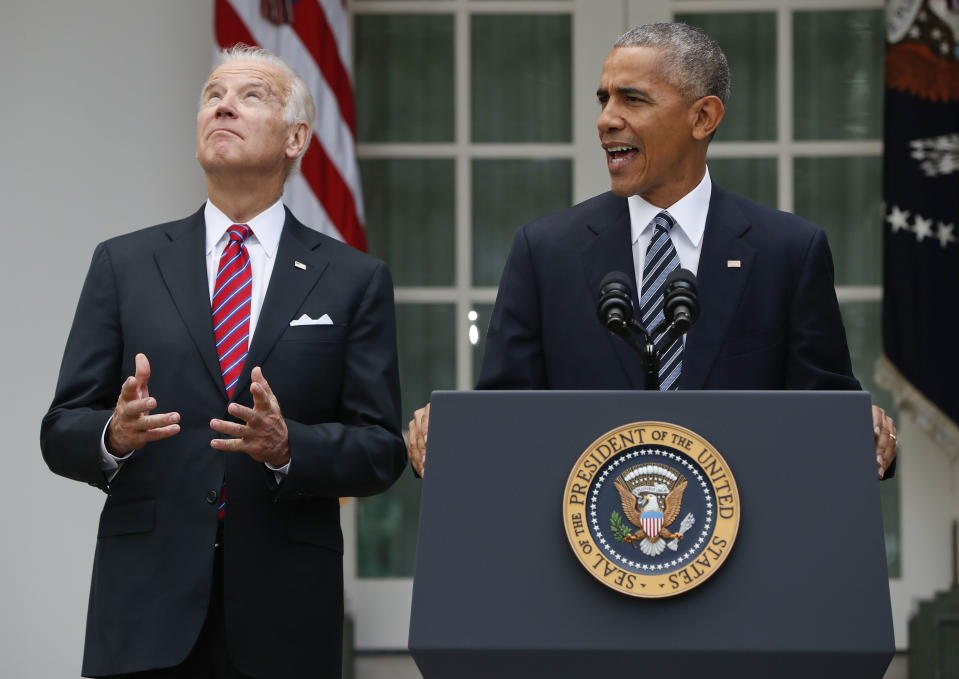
692 62
298 106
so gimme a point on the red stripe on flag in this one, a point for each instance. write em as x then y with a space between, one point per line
314 30
333 193
321 175
229 27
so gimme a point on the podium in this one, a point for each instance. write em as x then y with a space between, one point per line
499 592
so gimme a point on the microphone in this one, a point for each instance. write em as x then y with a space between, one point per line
615 308
681 300
615 311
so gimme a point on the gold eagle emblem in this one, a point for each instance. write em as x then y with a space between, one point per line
652 496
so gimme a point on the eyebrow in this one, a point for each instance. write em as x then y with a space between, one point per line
255 82
623 91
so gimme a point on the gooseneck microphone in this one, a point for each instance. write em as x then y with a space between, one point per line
615 312
680 302
615 309
680 311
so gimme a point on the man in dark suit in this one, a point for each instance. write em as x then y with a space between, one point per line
769 319
219 551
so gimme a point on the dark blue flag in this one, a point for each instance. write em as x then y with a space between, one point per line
921 191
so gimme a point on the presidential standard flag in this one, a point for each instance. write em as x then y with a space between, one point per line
313 37
921 191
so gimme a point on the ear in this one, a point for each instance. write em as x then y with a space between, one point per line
298 137
708 112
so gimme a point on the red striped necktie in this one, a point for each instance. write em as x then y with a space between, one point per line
231 306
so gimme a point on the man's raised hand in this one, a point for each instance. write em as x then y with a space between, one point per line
264 436
132 426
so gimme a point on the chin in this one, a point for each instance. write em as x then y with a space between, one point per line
622 188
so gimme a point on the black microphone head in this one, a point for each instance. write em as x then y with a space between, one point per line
682 277
615 308
681 299
625 281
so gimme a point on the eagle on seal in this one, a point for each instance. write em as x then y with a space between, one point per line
651 520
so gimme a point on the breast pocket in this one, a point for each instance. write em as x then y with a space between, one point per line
314 333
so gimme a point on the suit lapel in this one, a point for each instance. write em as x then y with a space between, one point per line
289 286
611 250
182 265
720 286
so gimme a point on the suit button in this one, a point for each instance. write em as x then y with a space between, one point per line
211 496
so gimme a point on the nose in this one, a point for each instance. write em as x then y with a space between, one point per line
225 108
609 118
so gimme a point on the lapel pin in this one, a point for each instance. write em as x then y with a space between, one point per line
733 263
299 265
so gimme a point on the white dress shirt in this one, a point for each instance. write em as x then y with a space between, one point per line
261 246
687 236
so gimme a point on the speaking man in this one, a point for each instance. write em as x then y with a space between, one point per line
227 377
769 315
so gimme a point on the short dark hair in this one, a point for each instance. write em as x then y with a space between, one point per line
692 62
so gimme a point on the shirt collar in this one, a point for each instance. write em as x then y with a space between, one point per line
689 212
266 226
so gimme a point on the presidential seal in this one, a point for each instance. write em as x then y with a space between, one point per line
651 509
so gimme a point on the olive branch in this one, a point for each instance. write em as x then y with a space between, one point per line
618 526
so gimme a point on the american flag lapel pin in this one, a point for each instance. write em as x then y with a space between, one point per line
299 265
733 264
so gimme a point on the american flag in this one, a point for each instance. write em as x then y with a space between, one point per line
313 37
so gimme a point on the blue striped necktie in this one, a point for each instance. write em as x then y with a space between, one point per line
661 259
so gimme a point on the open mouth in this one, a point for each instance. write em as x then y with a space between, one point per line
620 154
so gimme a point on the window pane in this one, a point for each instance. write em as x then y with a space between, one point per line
483 314
752 177
506 195
404 77
410 217
749 41
427 347
386 530
386 524
863 321
521 74
838 81
843 196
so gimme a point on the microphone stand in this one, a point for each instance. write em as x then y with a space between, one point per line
628 332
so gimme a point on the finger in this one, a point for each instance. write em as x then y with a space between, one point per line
142 375
425 424
148 422
160 433
422 417
258 377
242 412
229 428
261 400
229 444
136 407
128 390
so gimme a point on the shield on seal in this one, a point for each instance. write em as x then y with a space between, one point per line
652 523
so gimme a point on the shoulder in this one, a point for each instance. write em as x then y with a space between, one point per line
345 259
764 227
156 234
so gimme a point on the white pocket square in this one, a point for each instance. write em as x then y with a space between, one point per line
306 320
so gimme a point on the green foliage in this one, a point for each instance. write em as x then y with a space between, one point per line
618 526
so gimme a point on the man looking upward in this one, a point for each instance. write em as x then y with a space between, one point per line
227 378
769 316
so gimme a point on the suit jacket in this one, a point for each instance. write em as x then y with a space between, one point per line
338 388
772 322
